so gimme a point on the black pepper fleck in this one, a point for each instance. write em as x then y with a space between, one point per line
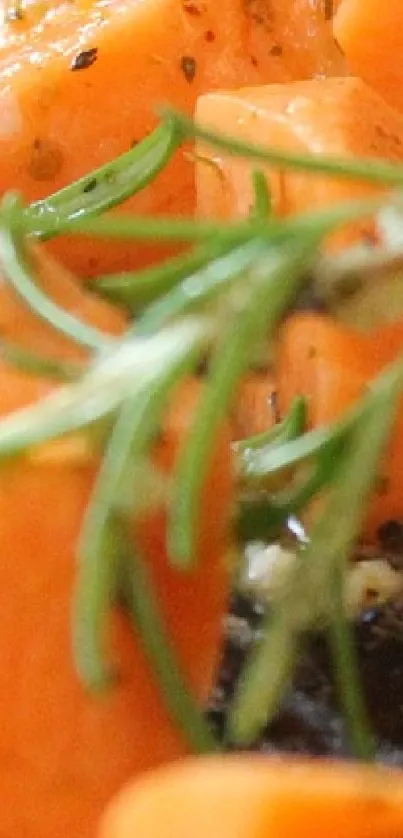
85 59
15 12
45 159
188 67
276 51
90 185
390 535
191 8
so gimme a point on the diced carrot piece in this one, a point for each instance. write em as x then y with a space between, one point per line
331 366
257 797
81 83
326 116
255 407
327 363
370 34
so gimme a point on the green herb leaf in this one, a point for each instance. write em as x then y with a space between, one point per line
18 272
273 286
375 170
141 603
309 590
97 573
107 186
261 189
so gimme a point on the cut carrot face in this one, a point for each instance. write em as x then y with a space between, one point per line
256 797
339 116
81 83
332 366
370 35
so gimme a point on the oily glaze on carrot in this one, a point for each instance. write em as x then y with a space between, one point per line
63 753
331 366
258 797
370 34
341 117
80 84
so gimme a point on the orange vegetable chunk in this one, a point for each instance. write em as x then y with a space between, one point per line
257 797
81 82
255 407
332 366
371 36
338 116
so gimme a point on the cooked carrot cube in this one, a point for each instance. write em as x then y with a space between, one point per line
340 116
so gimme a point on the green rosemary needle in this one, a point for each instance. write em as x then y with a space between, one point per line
273 286
372 170
140 602
109 185
17 270
308 593
261 190
223 296
30 362
135 426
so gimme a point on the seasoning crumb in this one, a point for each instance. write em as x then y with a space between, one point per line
13 12
191 8
188 67
85 59
46 159
276 51
90 185
328 9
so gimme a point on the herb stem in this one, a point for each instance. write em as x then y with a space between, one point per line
107 186
19 274
372 170
142 606
134 427
347 673
273 287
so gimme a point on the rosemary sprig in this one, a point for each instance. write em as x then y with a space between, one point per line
261 190
109 185
276 230
137 289
273 286
102 388
251 450
346 671
204 286
375 170
141 603
331 542
30 362
97 577
222 297
17 270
